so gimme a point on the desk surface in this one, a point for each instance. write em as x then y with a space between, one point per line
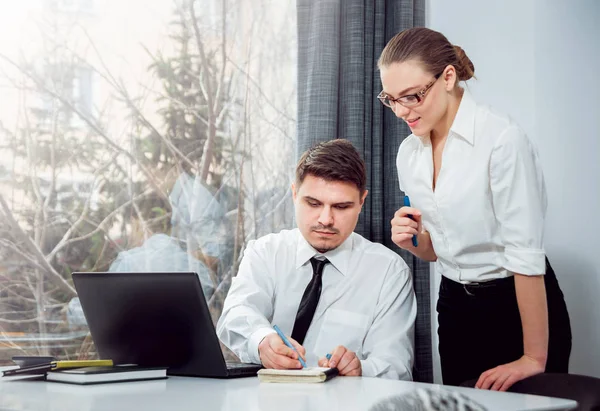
180 393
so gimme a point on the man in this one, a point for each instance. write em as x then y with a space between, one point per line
329 289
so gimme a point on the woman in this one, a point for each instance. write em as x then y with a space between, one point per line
478 205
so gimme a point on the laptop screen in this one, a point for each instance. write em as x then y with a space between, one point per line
151 319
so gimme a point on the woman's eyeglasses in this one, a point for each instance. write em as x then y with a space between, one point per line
410 100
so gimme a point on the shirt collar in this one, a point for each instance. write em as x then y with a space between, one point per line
464 122
339 257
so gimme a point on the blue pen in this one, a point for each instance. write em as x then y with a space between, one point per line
289 344
407 204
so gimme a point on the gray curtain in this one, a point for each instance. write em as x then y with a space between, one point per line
339 42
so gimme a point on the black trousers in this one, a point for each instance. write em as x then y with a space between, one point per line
480 327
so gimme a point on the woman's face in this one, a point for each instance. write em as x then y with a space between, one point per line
409 77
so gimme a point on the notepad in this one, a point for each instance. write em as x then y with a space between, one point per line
310 374
98 375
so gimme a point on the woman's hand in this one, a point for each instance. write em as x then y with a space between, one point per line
404 227
503 376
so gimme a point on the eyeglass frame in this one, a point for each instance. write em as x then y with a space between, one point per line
419 95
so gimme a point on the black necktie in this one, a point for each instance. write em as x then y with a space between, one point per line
309 301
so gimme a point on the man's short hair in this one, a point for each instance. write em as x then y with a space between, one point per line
333 160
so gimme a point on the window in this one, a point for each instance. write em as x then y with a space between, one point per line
138 137
69 5
65 97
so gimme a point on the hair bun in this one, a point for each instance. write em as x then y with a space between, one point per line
466 69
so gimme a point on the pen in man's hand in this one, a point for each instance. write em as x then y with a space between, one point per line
289 344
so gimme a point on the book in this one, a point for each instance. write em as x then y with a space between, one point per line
56 365
100 375
29 360
149 387
309 374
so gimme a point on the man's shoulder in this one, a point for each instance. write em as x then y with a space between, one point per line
378 251
273 242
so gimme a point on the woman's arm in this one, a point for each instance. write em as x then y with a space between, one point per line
533 306
519 200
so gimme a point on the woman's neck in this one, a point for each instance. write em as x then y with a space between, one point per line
440 131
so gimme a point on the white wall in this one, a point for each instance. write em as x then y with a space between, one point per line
539 61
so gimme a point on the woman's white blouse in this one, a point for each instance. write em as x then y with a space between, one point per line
486 215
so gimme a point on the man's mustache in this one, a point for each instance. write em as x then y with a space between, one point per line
325 229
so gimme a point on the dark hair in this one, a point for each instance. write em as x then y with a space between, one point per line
333 160
430 48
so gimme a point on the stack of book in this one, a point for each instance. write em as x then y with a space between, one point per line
87 371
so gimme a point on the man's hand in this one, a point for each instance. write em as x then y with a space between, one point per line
275 354
344 360
503 376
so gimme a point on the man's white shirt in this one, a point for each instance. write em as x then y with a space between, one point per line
367 302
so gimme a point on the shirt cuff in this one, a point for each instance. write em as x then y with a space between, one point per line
525 261
255 340
368 368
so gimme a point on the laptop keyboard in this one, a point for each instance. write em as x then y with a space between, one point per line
242 369
235 365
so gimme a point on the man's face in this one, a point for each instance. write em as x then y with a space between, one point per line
326 211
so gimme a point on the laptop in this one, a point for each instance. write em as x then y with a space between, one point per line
155 320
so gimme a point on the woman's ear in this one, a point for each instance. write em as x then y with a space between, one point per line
450 77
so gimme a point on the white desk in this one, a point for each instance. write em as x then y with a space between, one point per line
199 394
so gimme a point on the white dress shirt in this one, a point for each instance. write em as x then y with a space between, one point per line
486 215
367 302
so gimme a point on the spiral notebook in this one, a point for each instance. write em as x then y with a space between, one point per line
310 374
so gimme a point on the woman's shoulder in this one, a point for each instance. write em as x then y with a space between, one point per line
496 125
408 145
502 135
407 154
